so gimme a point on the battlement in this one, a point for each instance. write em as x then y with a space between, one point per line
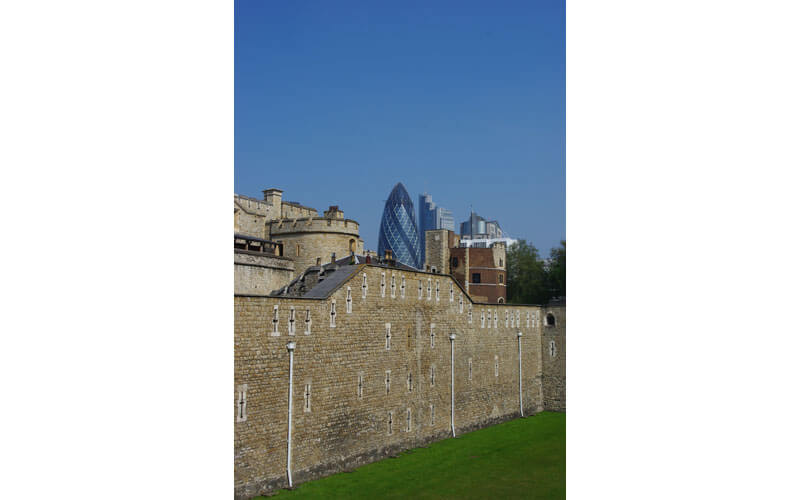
252 205
314 225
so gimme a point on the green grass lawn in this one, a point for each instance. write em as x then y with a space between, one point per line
523 458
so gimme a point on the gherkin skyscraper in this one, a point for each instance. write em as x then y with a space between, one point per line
398 231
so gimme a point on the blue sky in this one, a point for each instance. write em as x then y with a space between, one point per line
335 102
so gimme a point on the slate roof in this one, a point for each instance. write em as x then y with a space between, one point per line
362 259
307 284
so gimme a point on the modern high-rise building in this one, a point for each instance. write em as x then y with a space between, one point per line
432 217
476 227
398 231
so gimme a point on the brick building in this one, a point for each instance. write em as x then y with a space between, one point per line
481 271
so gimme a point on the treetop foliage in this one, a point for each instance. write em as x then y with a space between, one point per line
533 279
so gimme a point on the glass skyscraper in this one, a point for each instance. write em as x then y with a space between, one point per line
398 231
432 217
478 227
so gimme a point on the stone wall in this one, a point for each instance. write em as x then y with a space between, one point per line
250 216
554 356
259 274
344 426
499 255
306 239
305 235
437 250
291 210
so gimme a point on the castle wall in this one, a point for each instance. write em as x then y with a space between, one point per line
316 237
250 216
294 211
437 250
259 274
554 362
343 429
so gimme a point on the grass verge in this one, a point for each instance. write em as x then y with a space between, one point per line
523 458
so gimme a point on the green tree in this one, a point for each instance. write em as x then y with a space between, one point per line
530 280
558 270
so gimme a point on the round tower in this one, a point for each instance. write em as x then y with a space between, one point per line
306 239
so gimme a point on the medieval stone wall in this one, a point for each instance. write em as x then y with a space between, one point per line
291 210
437 250
306 239
394 328
554 359
259 274
250 216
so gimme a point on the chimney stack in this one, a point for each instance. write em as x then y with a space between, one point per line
274 198
333 257
319 261
388 258
333 212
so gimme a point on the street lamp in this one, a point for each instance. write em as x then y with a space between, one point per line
290 347
452 384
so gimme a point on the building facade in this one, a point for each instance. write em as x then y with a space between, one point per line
485 242
476 227
398 230
480 269
432 217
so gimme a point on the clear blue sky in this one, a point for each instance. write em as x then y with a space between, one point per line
335 102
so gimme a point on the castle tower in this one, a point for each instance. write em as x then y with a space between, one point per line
308 238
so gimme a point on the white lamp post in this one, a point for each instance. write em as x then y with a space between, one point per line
290 347
519 343
452 384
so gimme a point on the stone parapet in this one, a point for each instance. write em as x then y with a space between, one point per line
313 225
259 274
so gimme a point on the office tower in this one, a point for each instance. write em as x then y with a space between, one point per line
398 231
